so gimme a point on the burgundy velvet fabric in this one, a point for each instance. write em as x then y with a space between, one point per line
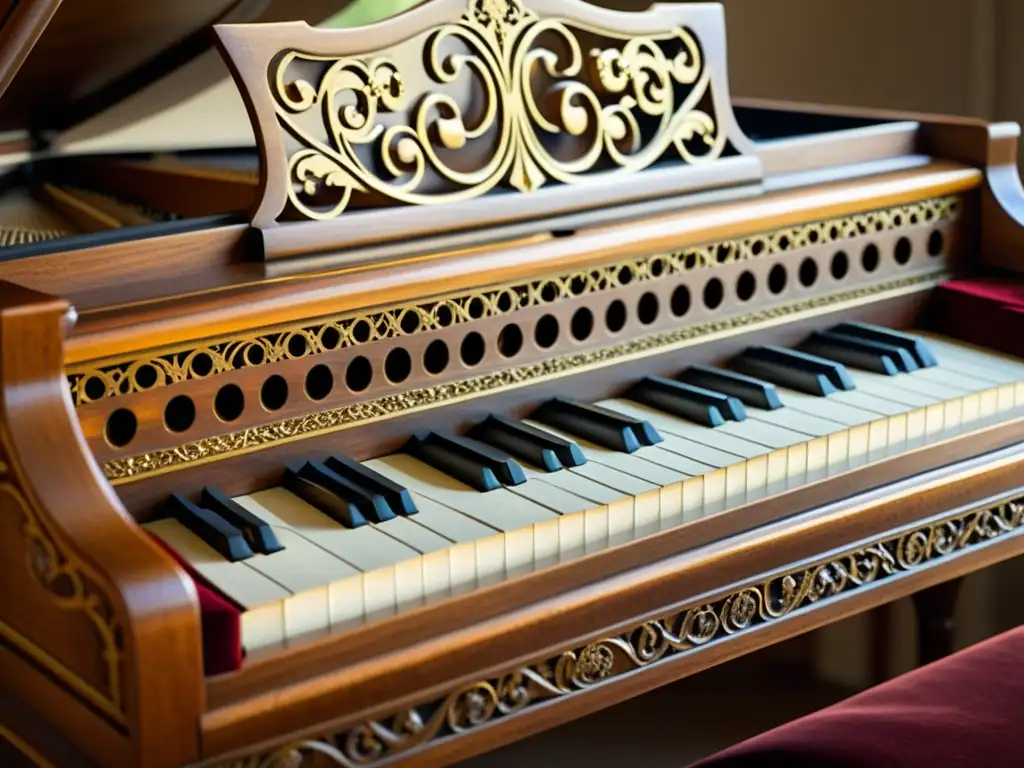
987 311
220 621
961 712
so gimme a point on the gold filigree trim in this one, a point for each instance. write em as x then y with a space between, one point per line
543 108
388 406
651 643
73 586
102 379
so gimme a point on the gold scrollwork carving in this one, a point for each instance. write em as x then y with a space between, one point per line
255 438
544 110
98 380
73 586
652 642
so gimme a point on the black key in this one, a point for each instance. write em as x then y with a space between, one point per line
796 370
747 389
475 464
258 533
916 347
605 428
542 449
397 497
211 528
340 508
687 401
859 353
374 506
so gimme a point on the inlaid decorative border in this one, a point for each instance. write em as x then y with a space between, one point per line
97 380
652 643
388 406
74 586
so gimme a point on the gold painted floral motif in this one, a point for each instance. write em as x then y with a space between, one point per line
544 109
101 379
653 642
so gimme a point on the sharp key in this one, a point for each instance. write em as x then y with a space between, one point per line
339 508
860 353
397 497
258 533
475 464
746 389
796 370
214 530
915 346
687 401
531 445
598 425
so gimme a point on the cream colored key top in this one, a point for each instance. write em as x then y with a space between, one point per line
630 463
900 389
498 509
763 433
365 547
412 535
550 496
795 421
237 580
673 425
966 358
825 407
868 403
447 522
953 379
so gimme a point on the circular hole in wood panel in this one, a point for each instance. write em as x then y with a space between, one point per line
94 388
904 250
297 345
936 242
330 337
582 324
777 279
808 273
840 265
145 376
510 340
274 393
179 413
358 375
472 349
229 402
436 357
869 258
615 316
680 302
546 332
713 293
120 428
397 365
647 308
746 286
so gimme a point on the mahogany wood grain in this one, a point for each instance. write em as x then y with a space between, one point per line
273 302
990 147
271 705
23 23
140 270
143 619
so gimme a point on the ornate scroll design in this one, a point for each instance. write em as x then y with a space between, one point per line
648 644
543 110
73 586
255 438
98 380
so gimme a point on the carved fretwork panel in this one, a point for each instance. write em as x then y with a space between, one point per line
461 98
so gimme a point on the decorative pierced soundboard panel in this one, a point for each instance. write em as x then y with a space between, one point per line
460 98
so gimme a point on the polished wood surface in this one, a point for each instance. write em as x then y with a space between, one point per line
100 632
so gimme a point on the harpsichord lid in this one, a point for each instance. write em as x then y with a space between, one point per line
64 60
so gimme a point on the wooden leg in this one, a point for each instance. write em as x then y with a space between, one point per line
935 607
